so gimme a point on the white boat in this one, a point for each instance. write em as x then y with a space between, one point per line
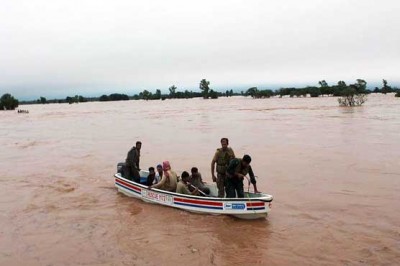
252 206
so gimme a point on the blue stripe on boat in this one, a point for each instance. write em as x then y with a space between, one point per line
128 188
198 206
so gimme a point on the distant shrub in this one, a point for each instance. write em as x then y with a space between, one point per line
314 91
213 94
397 94
255 93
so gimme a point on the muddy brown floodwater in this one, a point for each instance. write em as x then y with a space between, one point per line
334 173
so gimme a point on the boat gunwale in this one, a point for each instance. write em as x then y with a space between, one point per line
264 198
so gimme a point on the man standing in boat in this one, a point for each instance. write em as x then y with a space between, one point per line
221 157
236 172
132 163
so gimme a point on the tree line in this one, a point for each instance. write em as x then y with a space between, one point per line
352 94
173 93
349 95
324 89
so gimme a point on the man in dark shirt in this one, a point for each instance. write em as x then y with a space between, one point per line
237 170
132 163
150 177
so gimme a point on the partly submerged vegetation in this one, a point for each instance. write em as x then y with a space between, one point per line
354 95
349 95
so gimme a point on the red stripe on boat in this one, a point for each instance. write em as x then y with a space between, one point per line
255 204
128 185
200 202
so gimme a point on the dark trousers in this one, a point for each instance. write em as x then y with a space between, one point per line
233 186
132 173
221 180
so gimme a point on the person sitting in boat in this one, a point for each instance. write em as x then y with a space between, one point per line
132 163
196 180
150 177
159 174
169 180
237 170
182 186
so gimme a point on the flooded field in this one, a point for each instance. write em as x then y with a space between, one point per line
334 173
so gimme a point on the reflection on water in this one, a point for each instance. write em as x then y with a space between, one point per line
333 172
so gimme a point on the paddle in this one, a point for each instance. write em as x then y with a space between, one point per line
201 192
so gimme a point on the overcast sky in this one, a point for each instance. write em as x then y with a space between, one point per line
90 47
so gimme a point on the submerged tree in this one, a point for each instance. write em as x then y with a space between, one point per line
354 95
8 102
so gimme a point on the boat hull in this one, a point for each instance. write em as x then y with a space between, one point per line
253 206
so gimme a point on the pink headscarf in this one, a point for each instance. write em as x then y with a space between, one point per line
166 167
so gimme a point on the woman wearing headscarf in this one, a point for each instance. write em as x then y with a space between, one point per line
169 179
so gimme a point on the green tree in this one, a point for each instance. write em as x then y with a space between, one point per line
213 94
253 92
342 84
172 91
146 95
157 95
386 88
8 102
337 90
118 97
42 100
204 87
82 99
103 98
325 88
314 91
70 100
361 86
323 84
265 93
